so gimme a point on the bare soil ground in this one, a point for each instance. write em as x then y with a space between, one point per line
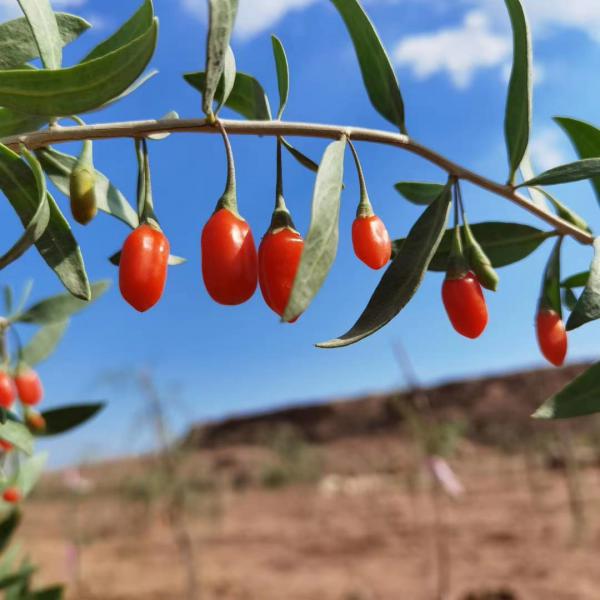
362 530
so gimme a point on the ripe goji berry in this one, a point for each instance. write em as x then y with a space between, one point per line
551 336
229 260
279 256
465 305
143 267
29 386
371 241
11 495
7 390
6 446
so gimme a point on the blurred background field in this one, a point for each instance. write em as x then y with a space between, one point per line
377 497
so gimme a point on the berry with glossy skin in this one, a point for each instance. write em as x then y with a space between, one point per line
371 241
229 260
29 386
465 305
143 267
7 390
551 336
11 495
278 260
6 446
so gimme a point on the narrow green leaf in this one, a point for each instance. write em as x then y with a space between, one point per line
588 306
25 294
18 46
29 473
563 211
139 82
550 292
247 97
57 244
320 246
418 192
60 250
43 343
569 299
304 160
43 24
39 221
60 307
8 299
8 526
221 16
20 576
18 435
110 200
527 172
172 114
575 281
65 418
229 72
12 122
586 140
586 168
80 88
503 243
517 121
283 73
580 397
404 276
132 29
375 65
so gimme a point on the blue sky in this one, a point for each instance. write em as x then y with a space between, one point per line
211 361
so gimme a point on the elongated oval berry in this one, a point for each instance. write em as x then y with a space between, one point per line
6 446
29 386
11 495
143 267
551 336
82 193
371 241
465 305
229 260
278 261
7 390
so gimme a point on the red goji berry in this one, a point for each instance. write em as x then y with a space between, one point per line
229 260
278 261
371 241
12 495
7 390
465 305
551 336
29 386
143 267
6 446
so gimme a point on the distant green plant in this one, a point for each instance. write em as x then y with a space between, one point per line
296 460
20 467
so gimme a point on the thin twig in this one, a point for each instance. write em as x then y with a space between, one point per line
38 139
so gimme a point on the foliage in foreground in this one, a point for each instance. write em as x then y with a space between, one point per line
289 269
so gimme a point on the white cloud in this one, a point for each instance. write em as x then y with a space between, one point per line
254 16
547 16
547 149
459 51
